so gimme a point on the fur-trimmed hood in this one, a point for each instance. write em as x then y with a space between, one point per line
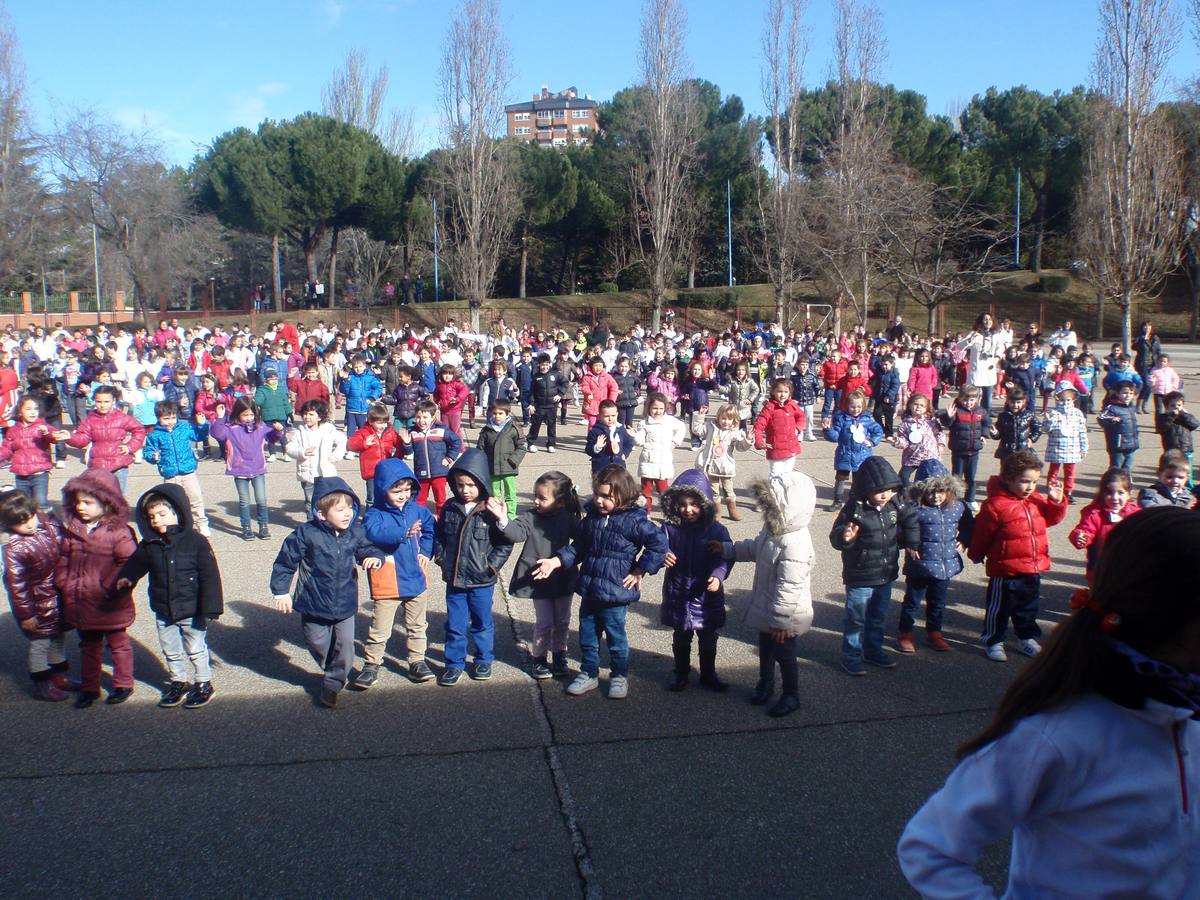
932 475
693 483
787 502
102 485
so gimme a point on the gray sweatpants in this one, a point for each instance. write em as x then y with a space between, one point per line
332 646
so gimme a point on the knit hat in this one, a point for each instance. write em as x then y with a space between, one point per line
874 475
1064 386
931 468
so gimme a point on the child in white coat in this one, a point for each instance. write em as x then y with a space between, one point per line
721 437
316 445
658 435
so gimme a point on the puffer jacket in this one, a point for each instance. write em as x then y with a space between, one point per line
106 433
967 428
323 561
607 548
388 527
273 405
741 395
833 372
608 448
544 535
885 386
873 557
1095 523
1120 426
1011 533
429 448
658 439
545 387
687 603
90 561
919 439
783 555
942 528
171 450
360 389
505 447
329 444
855 436
243 446
806 387
667 387
596 388
923 380
716 453
470 547
1158 494
450 395
1016 431
1174 430
370 455
184 579
780 425
306 389
404 399
29 566
28 446
629 389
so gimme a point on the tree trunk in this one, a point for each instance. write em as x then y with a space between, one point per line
329 288
474 304
1099 315
562 268
656 316
692 275
1127 319
780 302
276 276
523 241
931 322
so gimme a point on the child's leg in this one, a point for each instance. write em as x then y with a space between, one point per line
808 422
625 416
707 640
308 487
935 604
681 649
590 626
259 483
780 467
590 420
170 639
121 651
1025 593
661 486
648 493
454 420
562 405
243 492
618 643
38 659
535 428
91 648
997 611
877 607
970 467
789 668
562 624
383 618
483 629
1052 470
457 616
766 659
551 429
191 486
855 616
195 644
915 589
509 482
122 476
416 624
369 491
439 494
1069 478
543 626
827 404
423 491
906 474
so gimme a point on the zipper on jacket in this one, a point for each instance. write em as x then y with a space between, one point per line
1177 733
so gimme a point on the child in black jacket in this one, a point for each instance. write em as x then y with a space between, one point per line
185 589
1017 426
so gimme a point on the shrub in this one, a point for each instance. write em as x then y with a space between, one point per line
1054 284
607 287
707 299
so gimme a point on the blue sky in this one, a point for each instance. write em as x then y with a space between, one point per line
192 71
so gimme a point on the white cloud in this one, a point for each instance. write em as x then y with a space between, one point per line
179 146
249 106
333 10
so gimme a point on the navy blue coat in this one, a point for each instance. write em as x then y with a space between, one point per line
607 548
387 526
807 387
324 561
942 527
1120 426
606 457
885 386
687 602
967 428
471 548
1014 430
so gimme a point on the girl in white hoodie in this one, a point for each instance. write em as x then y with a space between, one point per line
315 445
1092 762
658 435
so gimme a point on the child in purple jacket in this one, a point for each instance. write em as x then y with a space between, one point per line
243 435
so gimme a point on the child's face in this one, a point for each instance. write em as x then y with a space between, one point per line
1125 396
88 508
405 377
399 493
162 516
28 527
802 366
879 498
657 410
608 417
104 403
29 412
447 377
544 366
727 422
167 421
1115 495
886 365
623 367
597 366
379 426
423 419
181 377
1016 404
340 515
499 416
465 487
311 374
936 497
689 509
970 403
1175 407
272 381
312 419
855 407
1024 483
604 499
780 393
918 407
544 498
360 367
246 417
1175 479
852 369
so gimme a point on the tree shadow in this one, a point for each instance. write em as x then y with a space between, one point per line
254 645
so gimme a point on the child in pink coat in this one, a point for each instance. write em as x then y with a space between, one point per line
596 386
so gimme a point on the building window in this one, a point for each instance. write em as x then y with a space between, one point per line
560 142
543 114
581 129
560 114
524 131
580 113
522 117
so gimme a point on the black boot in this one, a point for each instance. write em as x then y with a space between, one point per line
766 669
681 649
840 489
789 701
708 662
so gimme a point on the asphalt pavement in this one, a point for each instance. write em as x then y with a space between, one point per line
509 787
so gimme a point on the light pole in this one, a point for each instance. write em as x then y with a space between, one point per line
729 226
96 268
1017 254
436 286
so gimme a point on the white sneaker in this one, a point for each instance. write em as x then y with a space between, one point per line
351 455
583 421
205 531
974 508
618 687
551 449
533 448
996 653
1029 647
60 464
582 684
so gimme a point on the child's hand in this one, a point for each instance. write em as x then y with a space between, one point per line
403 435
715 548
496 507
557 399
278 426
124 448
42 431
423 562
29 625
714 584
200 420
827 423
62 435
1055 492
447 461
1080 540
531 408
670 559
912 553
779 635
545 568
372 563
850 533
283 603
371 441
123 584
414 530
311 451
220 410
633 581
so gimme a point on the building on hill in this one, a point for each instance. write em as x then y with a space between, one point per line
553 120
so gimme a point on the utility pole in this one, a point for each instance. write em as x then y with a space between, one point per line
1017 254
96 268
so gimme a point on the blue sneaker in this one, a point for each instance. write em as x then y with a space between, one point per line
482 671
853 667
882 661
449 677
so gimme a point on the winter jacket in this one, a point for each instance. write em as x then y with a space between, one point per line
783 555
470 546
687 603
1120 426
505 447
360 389
495 389
1117 377
30 562
1016 431
629 389
608 548
658 439
183 396
780 425
806 388
885 386
919 439
28 446
872 558
666 387
547 386
106 433
306 389
271 364
596 388
428 448
450 395
615 446
171 450
184 579
715 458
967 428
1174 430
523 375
323 561
543 536
698 390
243 446
855 437
90 561
942 529
273 405
833 372
1011 533
387 527
1095 523
847 384
369 456
1158 494
923 380
1164 380
329 444
142 404
742 395
404 399
1066 434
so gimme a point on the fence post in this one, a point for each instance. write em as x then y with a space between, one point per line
73 301
26 302
119 302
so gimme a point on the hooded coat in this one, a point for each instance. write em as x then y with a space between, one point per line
29 565
1175 431
873 557
471 549
942 528
324 561
329 444
107 433
687 603
1120 426
504 446
388 526
783 555
184 579
90 561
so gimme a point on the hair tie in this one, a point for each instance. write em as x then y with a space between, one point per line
1082 599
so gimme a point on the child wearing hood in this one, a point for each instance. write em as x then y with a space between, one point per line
471 552
185 589
693 598
403 530
503 443
869 532
321 554
780 607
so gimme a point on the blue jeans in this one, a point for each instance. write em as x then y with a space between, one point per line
473 604
244 485
36 486
187 638
985 397
862 628
122 474
355 421
1121 459
964 466
933 592
595 620
833 399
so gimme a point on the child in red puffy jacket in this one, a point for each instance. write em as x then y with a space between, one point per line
779 428
853 380
450 395
1010 533
1114 502
373 443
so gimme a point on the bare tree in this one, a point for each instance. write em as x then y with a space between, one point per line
785 46
663 162
476 176
1131 209
22 192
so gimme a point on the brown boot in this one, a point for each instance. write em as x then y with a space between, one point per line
731 505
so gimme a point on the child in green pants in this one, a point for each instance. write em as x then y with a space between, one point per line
504 444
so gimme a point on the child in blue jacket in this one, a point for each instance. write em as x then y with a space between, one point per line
885 389
608 442
404 531
169 446
434 447
856 434
1120 424
361 388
